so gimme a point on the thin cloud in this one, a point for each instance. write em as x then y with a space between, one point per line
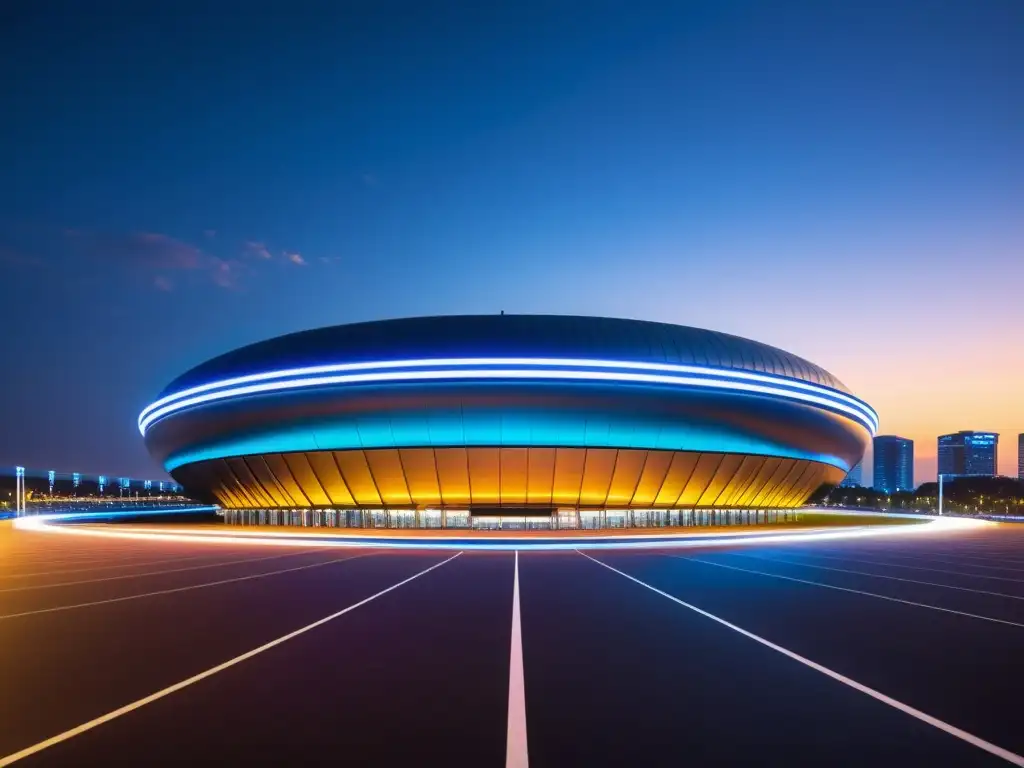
226 273
259 250
155 252
210 234
296 258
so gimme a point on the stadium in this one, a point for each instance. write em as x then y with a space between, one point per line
515 420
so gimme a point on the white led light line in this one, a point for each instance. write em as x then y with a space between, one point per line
513 361
865 417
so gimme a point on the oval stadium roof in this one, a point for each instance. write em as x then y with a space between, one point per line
556 336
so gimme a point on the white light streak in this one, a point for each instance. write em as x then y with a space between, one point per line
723 379
470 540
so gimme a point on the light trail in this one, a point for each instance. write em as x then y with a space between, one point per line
58 524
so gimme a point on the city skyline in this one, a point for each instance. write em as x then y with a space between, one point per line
725 167
893 459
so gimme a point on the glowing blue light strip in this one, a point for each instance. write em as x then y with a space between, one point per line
542 362
723 380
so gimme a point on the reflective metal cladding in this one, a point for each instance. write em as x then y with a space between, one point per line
507 410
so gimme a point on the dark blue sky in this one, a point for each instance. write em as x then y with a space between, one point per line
844 180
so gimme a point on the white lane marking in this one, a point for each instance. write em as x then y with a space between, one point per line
877 576
119 566
15 756
929 559
952 730
157 573
852 591
884 564
516 755
188 588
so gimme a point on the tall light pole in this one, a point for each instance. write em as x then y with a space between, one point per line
19 491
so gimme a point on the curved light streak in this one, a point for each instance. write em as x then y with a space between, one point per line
461 369
317 370
930 524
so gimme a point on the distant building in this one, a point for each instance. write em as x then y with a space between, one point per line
855 477
969 453
894 464
1020 456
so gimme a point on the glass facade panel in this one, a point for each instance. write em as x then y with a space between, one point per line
325 468
628 467
223 487
258 466
514 468
801 488
569 465
540 475
782 469
388 474
653 475
702 475
285 480
242 491
241 468
599 464
356 474
723 475
740 480
306 478
794 474
484 475
421 476
453 473
676 479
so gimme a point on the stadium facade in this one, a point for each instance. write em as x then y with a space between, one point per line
444 420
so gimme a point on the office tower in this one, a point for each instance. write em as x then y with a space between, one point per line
1020 456
967 453
855 477
894 464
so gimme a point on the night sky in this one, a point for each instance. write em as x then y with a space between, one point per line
842 180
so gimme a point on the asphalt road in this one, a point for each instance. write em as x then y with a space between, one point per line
901 651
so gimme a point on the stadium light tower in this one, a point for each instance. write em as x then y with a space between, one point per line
19 491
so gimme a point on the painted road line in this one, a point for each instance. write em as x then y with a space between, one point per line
876 576
119 566
914 568
852 591
35 748
952 730
188 588
221 564
516 755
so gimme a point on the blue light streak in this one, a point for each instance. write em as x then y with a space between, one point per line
512 369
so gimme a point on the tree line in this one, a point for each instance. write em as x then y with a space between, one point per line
964 495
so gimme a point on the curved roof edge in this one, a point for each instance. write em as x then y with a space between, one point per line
565 336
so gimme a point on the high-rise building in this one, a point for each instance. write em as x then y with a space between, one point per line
855 477
1020 456
894 464
969 453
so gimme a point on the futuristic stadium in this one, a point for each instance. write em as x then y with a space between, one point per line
506 420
